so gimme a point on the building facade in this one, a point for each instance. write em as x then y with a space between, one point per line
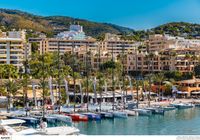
14 49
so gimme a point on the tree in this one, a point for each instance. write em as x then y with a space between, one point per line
159 78
12 87
197 70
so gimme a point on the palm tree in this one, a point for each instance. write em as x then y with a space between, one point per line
2 71
159 78
12 87
101 83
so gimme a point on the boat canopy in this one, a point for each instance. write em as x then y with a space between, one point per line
11 121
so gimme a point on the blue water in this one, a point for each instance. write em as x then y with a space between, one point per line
176 122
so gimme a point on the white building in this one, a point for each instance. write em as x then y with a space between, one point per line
75 33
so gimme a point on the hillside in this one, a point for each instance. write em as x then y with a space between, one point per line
51 25
54 24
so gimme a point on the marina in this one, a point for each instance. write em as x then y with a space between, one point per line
159 120
175 122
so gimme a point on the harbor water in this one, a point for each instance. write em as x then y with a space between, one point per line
176 122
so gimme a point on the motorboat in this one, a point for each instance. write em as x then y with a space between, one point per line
182 105
120 114
30 121
169 108
131 112
78 117
60 130
61 118
15 127
156 110
107 115
92 116
143 112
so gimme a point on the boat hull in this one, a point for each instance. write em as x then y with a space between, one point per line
143 112
78 117
107 115
92 116
120 115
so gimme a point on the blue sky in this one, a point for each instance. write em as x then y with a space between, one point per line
136 14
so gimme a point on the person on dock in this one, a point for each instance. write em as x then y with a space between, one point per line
43 124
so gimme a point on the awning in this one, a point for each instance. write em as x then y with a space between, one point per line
147 93
195 92
182 92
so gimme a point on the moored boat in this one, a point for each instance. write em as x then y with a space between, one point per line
92 116
182 105
62 118
169 108
107 115
131 112
15 127
156 110
120 114
78 117
143 112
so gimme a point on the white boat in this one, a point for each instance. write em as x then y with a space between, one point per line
15 127
60 130
143 112
169 108
120 114
106 115
62 118
131 112
156 110
182 105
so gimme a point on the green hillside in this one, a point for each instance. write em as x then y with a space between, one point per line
51 25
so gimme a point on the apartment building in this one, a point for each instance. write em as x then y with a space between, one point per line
65 45
180 59
159 42
14 49
113 43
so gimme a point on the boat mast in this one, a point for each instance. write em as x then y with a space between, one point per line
73 75
43 84
113 90
137 81
150 67
123 74
59 89
100 93
87 82
26 82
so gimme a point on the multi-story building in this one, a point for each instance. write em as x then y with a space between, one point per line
14 49
159 42
65 45
113 43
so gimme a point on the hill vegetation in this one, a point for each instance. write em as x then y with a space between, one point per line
51 25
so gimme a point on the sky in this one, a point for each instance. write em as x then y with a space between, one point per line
135 14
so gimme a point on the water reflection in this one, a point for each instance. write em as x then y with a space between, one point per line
177 122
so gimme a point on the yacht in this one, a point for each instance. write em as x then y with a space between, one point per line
156 110
120 114
92 116
143 112
131 112
182 105
107 115
169 108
